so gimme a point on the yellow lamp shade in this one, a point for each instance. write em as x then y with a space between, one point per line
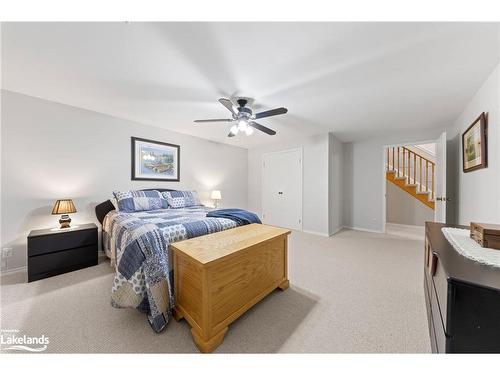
63 206
216 195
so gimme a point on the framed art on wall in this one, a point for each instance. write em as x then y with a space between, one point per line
474 145
155 161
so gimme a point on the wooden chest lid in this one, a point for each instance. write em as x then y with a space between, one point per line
212 247
491 229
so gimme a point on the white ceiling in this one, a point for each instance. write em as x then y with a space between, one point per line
355 79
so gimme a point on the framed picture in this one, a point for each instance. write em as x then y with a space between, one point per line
155 161
474 148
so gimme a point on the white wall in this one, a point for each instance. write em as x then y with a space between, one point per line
426 152
476 195
427 148
50 150
364 177
402 208
335 191
315 180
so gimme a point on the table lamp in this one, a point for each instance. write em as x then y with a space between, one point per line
64 207
216 197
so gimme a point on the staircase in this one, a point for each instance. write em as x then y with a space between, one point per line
413 173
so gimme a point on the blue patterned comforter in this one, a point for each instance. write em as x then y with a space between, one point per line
138 242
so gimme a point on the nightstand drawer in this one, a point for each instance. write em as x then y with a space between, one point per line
46 265
61 241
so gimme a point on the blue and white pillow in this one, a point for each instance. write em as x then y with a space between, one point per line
180 199
139 200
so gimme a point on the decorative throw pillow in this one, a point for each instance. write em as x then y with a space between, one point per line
139 200
180 199
114 201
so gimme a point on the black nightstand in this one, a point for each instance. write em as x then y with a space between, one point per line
52 252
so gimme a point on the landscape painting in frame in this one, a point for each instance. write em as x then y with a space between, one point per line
155 161
474 145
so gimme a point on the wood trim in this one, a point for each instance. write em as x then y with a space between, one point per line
412 190
414 168
426 175
422 157
423 181
433 191
404 158
398 163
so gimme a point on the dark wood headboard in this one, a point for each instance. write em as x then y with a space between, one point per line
102 209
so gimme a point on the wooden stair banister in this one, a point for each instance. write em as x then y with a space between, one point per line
401 171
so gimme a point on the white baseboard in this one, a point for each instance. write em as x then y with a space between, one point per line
364 229
406 226
335 231
13 270
315 233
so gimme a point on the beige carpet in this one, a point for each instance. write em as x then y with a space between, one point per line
354 292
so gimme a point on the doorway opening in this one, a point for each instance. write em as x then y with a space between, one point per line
414 185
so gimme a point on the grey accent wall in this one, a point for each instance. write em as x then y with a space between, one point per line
476 195
52 151
402 208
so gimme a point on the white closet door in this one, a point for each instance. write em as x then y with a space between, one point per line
282 189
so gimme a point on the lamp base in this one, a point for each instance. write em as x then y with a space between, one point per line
65 220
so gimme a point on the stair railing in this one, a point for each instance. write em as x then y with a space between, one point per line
414 167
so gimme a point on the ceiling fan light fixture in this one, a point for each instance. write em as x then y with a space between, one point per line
242 125
234 130
249 130
243 117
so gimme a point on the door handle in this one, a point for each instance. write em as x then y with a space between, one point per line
443 199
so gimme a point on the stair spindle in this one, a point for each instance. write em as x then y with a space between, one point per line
403 162
414 169
432 177
393 158
420 180
409 167
398 162
387 160
426 175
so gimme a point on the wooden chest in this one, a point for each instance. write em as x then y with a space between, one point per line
219 276
487 235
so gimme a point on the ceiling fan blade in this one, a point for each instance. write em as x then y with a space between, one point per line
216 120
271 112
262 128
229 105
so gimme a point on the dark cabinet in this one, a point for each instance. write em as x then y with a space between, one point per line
462 298
52 252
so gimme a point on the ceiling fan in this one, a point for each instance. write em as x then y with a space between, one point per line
245 117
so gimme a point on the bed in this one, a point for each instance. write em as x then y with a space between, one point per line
138 245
